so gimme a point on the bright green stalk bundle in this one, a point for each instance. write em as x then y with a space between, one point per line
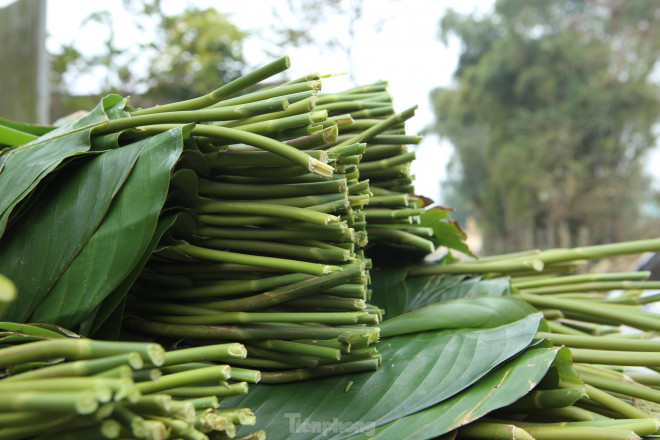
80 399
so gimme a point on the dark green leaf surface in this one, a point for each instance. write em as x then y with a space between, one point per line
120 240
115 298
497 389
22 168
475 312
426 290
38 249
389 290
418 371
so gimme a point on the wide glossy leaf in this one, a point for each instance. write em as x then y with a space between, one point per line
121 239
93 324
418 371
23 167
499 388
474 312
38 249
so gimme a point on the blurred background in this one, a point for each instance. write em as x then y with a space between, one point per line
540 117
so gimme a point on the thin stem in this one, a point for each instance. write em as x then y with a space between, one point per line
185 378
256 260
77 349
225 91
320 371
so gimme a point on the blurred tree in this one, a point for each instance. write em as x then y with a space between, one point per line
193 53
551 116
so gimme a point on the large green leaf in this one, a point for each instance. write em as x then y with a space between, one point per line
38 249
426 290
23 167
418 371
499 388
93 324
121 239
474 312
446 232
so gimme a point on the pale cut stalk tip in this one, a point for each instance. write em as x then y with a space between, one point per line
317 167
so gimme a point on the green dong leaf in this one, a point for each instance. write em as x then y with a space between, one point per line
418 371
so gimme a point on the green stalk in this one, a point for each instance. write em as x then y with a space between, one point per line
230 288
398 200
270 93
325 98
159 404
593 286
239 416
185 378
105 429
205 402
546 399
287 293
320 371
225 91
215 352
402 237
299 348
573 413
268 144
283 123
284 250
74 349
558 328
376 112
80 368
243 191
648 379
241 333
542 432
600 251
184 117
476 267
226 390
490 430
347 106
323 302
220 160
614 357
80 402
583 278
624 300
303 201
389 162
619 386
255 260
371 133
304 106
637 319
319 139
334 318
601 342
282 233
614 404
287 212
